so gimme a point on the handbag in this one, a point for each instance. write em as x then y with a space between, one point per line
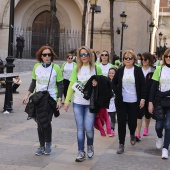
158 113
165 102
53 106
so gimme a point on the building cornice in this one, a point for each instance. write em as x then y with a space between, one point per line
137 1
164 14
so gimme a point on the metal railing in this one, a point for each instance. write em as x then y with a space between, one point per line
65 41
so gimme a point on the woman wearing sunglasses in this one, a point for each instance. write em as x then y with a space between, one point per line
84 119
46 76
104 63
129 89
66 69
147 69
161 79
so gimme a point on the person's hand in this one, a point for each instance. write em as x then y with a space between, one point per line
24 101
94 83
142 103
59 104
150 107
66 107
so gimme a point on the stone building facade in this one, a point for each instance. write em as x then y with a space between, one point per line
69 15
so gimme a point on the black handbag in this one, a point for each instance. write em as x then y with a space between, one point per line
158 113
53 106
165 102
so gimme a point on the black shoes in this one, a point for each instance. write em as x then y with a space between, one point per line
132 140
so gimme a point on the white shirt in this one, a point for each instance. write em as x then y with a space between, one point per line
128 86
145 72
105 68
83 76
68 67
112 107
165 79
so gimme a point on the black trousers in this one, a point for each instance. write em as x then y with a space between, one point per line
113 119
19 52
45 135
15 86
126 113
66 84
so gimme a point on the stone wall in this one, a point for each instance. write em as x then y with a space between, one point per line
69 14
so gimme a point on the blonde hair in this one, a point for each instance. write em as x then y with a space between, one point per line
165 53
91 58
132 53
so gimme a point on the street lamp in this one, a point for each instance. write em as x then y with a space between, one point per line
122 20
10 59
151 26
95 9
160 47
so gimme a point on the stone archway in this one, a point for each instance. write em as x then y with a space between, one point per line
41 6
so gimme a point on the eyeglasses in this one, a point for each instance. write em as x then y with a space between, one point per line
84 54
167 56
104 55
128 58
144 59
69 58
45 54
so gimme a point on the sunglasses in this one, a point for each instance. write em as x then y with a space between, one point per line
104 55
128 58
84 54
70 58
45 54
167 56
144 59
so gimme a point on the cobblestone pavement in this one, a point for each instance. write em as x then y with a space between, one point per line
19 141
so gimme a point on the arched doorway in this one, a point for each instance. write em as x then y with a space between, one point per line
41 32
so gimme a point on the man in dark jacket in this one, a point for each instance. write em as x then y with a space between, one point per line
20 46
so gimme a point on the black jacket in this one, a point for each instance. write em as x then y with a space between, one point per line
103 92
41 107
139 82
148 83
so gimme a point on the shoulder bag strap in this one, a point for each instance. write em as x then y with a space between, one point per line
50 76
159 79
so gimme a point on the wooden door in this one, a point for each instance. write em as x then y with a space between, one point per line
41 31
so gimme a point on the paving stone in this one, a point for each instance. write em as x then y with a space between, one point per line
19 141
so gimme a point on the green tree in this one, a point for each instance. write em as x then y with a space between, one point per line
84 23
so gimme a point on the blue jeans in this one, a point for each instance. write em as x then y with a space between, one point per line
160 125
84 121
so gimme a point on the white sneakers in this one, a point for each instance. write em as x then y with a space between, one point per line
164 153
159 143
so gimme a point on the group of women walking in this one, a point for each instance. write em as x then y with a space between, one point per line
134 90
